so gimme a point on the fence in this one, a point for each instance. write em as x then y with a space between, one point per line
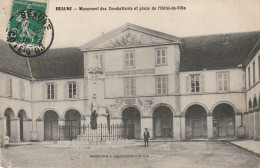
103 132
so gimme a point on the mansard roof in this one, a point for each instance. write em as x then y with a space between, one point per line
54 63
58 63
217 51
139 36
12 63
196 53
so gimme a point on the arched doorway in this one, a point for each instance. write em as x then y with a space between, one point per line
9 114
132 123
224 121
163 122
196 122
22 116
51 125
72 124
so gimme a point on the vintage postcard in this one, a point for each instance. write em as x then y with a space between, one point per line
136 84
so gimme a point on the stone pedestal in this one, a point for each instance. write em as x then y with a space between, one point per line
183 136
256 125
147 122
210 126
102 119
118 121
2 129
15 130
177 128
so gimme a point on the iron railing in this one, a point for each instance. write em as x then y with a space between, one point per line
102 133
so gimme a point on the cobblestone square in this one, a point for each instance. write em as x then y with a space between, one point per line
191 154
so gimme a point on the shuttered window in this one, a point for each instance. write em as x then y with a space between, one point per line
100 57
253 73
161 85
129 59
195 83
129 86
161 56
249 77
22 89
222 81
9 87
71 90
50 91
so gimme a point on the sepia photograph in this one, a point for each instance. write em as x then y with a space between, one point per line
129 84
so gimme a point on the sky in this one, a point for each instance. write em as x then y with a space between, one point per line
201 17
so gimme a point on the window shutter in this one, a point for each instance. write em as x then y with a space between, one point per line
7 87
44 91
77 90
188 84
66 91
202 81
218 78
55 91
134 60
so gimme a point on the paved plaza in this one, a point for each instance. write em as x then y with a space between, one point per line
191 154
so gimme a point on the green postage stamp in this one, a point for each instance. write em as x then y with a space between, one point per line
30 31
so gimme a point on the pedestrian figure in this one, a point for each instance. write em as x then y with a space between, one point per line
146 137
6 141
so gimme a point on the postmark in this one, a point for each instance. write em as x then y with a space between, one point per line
30 31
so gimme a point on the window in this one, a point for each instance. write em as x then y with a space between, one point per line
249 77
9 87
222 81
100 57
22 90
129 59
161 82
72 90
50 91
253 73
195 83
129 86
161 56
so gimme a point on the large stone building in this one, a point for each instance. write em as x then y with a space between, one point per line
178 88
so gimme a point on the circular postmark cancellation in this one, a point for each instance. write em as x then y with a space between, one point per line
30 33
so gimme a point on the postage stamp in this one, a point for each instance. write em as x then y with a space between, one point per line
30 31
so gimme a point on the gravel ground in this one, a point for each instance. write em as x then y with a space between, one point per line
159 155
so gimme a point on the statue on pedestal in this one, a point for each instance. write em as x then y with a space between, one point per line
94 114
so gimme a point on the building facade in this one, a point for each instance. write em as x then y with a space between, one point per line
178 88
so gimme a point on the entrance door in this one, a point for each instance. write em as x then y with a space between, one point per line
163 122
50 126
72 124
196 128
224 121
21 129
132 123
9 114
22 116
196 122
